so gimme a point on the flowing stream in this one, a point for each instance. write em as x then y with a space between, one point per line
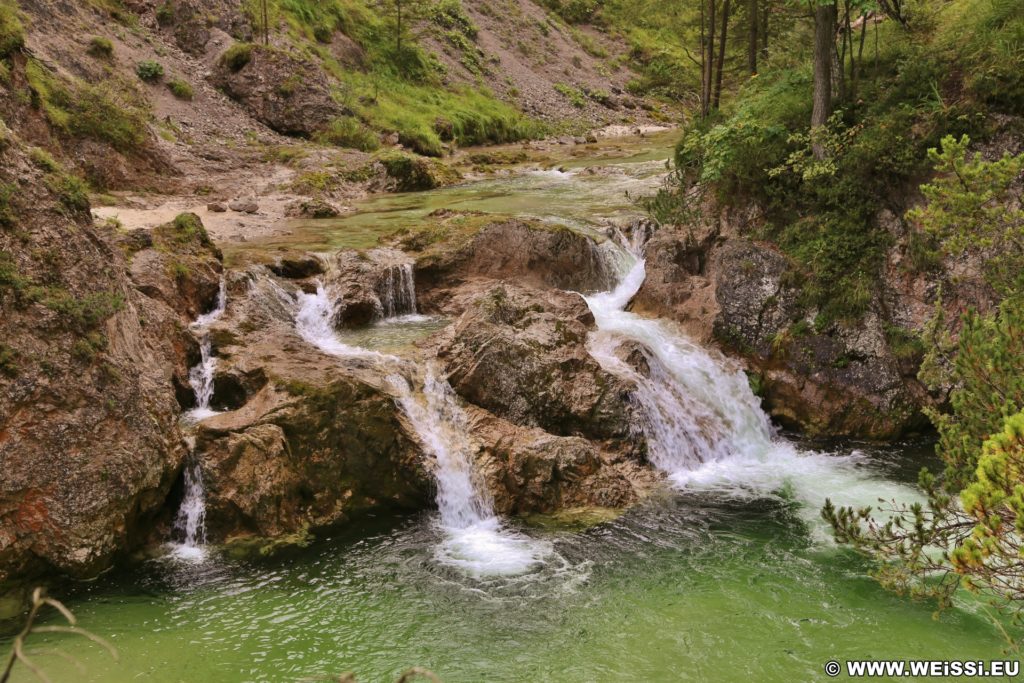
729 576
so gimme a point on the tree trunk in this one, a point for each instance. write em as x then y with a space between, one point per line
824 48
721 52
709 62
752 37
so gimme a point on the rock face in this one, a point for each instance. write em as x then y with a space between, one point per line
529 470
288 94
463 248
367 286
847 379
521 354
89 436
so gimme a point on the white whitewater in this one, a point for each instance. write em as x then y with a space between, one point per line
190 520
189 523
397 291
201 376
475 539
704 426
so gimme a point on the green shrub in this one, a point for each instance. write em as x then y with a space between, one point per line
72 191
83 314
101 48
165 13
346 131
149 71
451 15
574 95
180 89
237 56
7 213
8 361
12 33
43 159
103 113
188 226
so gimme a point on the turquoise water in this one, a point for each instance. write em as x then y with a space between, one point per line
681 588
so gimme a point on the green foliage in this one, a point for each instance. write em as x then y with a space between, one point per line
974 207
71 191
180 89
237 56
12 33
576 11
574 95
149 71
8 216
103 111
8 361
449 14
165 13
43 159
10 279
188 226
346 131
100 47
83 314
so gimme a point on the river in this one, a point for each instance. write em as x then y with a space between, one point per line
726 575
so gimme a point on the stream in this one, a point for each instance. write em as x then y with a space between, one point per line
728 574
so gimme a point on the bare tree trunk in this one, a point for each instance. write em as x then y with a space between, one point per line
824 48
709 63
752 36
721 53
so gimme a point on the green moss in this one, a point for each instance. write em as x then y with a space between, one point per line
574 95
100 47
412 173
237 56
8 214
180 89
86 348
41 158
149 71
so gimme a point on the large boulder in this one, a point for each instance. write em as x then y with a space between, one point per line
89 437
458 248
521 353
528 470
287 93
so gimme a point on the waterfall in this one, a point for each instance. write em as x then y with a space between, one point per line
703 424
397 291
200 376
190 520
313 323
475 539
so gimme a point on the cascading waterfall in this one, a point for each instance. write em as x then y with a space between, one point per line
475 539
189 522
397 291
704 426
200 377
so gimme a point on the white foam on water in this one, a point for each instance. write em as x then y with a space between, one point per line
703 424
475 541
313 323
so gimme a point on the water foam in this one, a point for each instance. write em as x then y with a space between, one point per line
475 540
703 424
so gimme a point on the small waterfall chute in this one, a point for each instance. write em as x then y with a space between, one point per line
200 376
190 522
475 540
397 291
